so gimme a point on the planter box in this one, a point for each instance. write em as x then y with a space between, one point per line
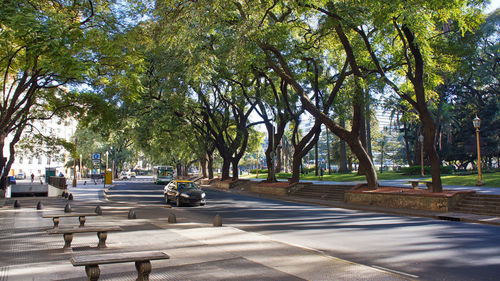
273 190
207 181
279 188
436 202
228 184
28 190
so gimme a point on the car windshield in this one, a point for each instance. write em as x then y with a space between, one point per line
187 185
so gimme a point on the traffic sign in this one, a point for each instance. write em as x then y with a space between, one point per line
96 156
96 161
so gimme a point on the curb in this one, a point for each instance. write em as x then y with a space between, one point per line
105 194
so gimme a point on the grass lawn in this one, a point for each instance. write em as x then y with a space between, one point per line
337 177
490 179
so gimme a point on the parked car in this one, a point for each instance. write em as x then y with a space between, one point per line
184 193
126 175
123 176
21 176
11 180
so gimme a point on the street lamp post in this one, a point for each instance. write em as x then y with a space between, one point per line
421 139
477 124
112 164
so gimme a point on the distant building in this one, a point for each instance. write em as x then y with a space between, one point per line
35 162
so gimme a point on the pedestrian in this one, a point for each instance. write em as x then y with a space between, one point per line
41 181
32 177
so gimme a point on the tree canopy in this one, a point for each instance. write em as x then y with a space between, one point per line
182 80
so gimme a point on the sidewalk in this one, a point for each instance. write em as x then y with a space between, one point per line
197 251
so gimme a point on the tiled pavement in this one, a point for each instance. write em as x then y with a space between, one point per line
197 251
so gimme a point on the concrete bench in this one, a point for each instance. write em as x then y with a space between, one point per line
415 183
56 217
141 259
102 233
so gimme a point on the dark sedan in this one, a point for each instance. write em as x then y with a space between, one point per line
184 193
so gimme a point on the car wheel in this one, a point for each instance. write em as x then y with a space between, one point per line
166 199
202 204
178 201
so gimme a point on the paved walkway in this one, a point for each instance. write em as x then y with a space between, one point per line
197 251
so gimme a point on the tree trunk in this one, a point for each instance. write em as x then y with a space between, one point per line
362 136
432 155
271 175
286 159
304 146
234 163
203 166
363 158
328 151
210 165
407 145
178 167
368 130
6 163
296 162
226 164
343 153
278 159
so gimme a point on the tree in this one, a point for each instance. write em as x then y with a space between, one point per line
272 109
414 25
44 48
226 119
467 93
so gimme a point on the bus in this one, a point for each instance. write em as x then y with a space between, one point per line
163 174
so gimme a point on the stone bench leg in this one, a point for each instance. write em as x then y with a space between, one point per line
102 239
143 270
429 185
82 220
56 221
68 237
93 272
414 185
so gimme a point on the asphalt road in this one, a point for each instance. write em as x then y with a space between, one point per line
421 248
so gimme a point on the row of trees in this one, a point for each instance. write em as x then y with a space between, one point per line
282 58
185 79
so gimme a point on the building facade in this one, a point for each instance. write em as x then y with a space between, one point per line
40 157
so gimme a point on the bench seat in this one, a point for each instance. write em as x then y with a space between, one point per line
415 183
141 259
102 233
81 217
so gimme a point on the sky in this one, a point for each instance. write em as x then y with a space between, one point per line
493 5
